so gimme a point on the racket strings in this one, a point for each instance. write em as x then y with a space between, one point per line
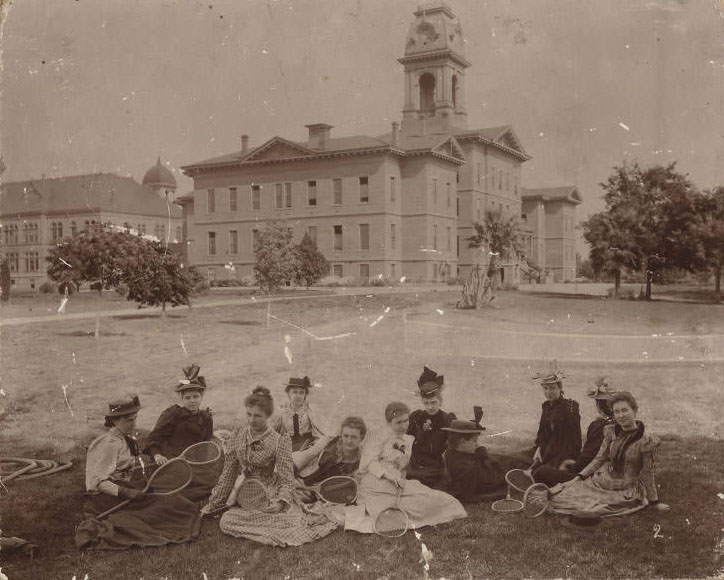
391 522
507 505
519 480
535 501
252 495
170 477
202 453
339 490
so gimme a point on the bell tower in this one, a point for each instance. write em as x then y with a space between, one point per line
434 66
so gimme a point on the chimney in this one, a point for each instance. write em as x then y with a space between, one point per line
244 144
395 133
318 135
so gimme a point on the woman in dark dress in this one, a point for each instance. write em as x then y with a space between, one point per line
182 425
341 455
559 431
426 426
550 475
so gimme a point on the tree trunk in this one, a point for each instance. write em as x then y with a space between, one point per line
649 278
616 282
717 282
163 309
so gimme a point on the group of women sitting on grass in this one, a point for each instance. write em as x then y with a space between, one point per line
428 463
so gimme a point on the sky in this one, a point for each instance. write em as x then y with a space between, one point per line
109 85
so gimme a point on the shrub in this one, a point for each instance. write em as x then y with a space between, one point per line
249 280
47 288
334 282
122 290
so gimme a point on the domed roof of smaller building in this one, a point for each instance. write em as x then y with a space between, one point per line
159 175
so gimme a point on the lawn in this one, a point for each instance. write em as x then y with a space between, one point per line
487 357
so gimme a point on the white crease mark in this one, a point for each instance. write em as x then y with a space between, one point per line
308 333
183 345
387 309
65 396
377 320
63 302
440 312
287 350
624 126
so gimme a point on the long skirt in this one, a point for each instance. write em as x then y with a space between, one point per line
203 479
148 521
600 494
424 506
294 527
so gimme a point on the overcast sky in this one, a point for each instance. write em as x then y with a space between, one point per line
107 85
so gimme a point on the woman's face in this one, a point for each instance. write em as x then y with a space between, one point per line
431 404
552 391
127 424
351 439
624 415
399 424
296 395
468 444
191 400
256 418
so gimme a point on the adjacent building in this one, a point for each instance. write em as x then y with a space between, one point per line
37 214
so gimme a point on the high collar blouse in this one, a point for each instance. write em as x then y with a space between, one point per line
388 454
283 421
109 460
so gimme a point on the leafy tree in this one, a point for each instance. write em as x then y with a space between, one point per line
276 259
5 281
312 266
110 259
710 232
647 224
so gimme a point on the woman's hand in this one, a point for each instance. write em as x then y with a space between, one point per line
274 507
660 507
159 459
537 456
566 463
130 493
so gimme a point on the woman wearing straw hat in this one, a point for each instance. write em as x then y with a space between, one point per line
114 472
427 427
601 393
559 430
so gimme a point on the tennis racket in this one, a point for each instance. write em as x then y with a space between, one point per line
203 453
169 478
392 522
537 498
507 505
337 489
250 495
519 480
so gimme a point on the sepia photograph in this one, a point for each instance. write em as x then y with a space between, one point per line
361 289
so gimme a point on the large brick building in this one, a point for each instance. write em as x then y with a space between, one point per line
399 204
37 214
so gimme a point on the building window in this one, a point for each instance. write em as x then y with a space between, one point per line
479 173
31 261
127 227
364 193
434 237
311 192
449 194
500 179
288 195
178 233
233 242
56 231
255 236
11 234
337 270
507 181
457 245
364 271
73 229
142 230
211 201
13 261
434 191
337 191
312 231
337 237
255 197
393 270
212 243
364 236
457 206
393 236
393 189
278 196
232 199
30 232
449 238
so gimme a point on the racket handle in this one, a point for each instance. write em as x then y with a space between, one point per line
114 508
231 500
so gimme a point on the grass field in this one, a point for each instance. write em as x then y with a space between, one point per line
487 357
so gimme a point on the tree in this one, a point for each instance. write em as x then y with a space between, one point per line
276 260
710 232
311 263
647 224
499 237
5 280
109 259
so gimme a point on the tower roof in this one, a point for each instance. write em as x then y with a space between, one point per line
159 175
436 31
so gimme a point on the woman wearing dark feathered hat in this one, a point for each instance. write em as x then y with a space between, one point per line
426 426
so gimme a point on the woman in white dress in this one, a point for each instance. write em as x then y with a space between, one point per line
382 474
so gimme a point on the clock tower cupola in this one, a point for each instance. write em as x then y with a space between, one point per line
434 66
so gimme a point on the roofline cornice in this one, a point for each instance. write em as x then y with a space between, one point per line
435 55
477 137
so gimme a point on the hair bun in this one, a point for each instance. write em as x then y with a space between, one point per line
261 391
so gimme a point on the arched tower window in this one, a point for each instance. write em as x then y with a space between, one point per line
427 92
455 91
